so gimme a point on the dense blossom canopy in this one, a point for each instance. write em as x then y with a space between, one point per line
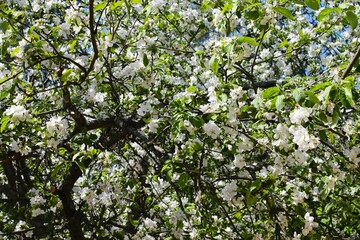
172 119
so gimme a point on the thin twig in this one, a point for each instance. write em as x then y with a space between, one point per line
254 61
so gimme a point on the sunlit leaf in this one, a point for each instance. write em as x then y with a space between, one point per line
248 40
313 4
352 19
325 12
285 12
214 63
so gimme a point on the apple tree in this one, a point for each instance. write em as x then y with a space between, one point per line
168 119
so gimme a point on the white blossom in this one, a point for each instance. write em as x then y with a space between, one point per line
282 135
309 224
300 114
144 108
331 180
57 125
150 224
298 196
157 5
36 212
303 139
229 191
24 150
239 161
18 114
353 155
211 129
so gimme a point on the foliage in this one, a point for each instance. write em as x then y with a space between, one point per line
166 119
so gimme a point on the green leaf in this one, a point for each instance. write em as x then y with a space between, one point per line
250 199
253 15
280 104
15 51
196 121
66 74
328 207
352 19
136 1
227 7
81 165
320 86
4 26
116 5
330 92
4 122
336 115
349 96
191 89
164 167
214 63
322 117
284 11
145 60
325 12
348 82
252 6
72 44
298 2
271 92
57 169
248 40
322 135
313 4
312 98
183 180
255 185
100 6
284 43
299 95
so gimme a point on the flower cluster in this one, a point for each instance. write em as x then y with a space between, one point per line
309 224
18 114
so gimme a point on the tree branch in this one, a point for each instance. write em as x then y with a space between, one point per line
351 65
93 32
256 53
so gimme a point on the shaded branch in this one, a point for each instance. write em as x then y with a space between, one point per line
93 32
119 129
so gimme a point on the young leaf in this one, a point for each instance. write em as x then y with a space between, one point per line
116 5
145 60
66 74
312 98
100 6
325 12
352 19
4 122
280 104
327 91
15 51
197 121
284 11
349 96
214 63
298 95
319 86
248 40
271 92
313 4
336 115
